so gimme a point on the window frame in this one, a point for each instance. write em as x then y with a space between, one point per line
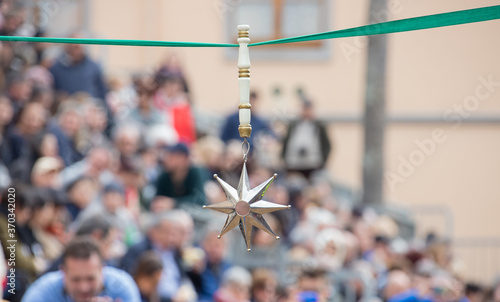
308 51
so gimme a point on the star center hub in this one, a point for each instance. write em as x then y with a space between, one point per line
242 208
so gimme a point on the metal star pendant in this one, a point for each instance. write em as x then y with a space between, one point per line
245 206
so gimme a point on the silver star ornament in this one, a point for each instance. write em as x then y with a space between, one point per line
244 206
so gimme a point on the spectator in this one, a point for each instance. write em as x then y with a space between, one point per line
209 273
66 129
264 285
306 146
80 194
42 144
45 173
445 288
6 115
100 230
126 139
145 114
96 165
42 85
172 100
112 205
314 285
207 152
93 133
32 118
83 277
398 287
172 65
181 183
19 92
235 286
131 176
13 20
45 215
474 292
162 237
259 125
75 71
147 276
496 290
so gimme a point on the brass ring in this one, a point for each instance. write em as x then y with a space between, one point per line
243 34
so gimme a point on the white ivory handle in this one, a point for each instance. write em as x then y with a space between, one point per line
245 128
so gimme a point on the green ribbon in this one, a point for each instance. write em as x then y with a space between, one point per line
114 42
418 23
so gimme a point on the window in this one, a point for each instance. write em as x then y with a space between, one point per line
59 17
276 19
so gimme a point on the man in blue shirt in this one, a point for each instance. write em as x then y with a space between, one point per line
75 72
259 125
83 278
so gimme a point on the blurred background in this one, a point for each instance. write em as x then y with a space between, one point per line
437 128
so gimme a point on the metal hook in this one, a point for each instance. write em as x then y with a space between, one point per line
245 147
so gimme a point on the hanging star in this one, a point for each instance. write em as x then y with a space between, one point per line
245 206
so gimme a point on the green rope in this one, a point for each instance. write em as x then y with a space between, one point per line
418 23
114 42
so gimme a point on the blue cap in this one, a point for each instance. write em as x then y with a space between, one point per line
114 187
179 148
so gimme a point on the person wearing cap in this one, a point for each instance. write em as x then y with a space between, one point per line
181 183
45 172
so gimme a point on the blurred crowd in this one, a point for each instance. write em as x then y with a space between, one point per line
104 181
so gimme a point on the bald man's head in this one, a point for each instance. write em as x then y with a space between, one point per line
397 282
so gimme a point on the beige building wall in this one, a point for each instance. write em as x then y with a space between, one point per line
429 72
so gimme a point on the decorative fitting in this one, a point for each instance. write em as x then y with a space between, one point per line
243 34
245 106
244 73
245 130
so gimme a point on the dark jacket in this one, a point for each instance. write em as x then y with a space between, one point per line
129 260
189 191
323 138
